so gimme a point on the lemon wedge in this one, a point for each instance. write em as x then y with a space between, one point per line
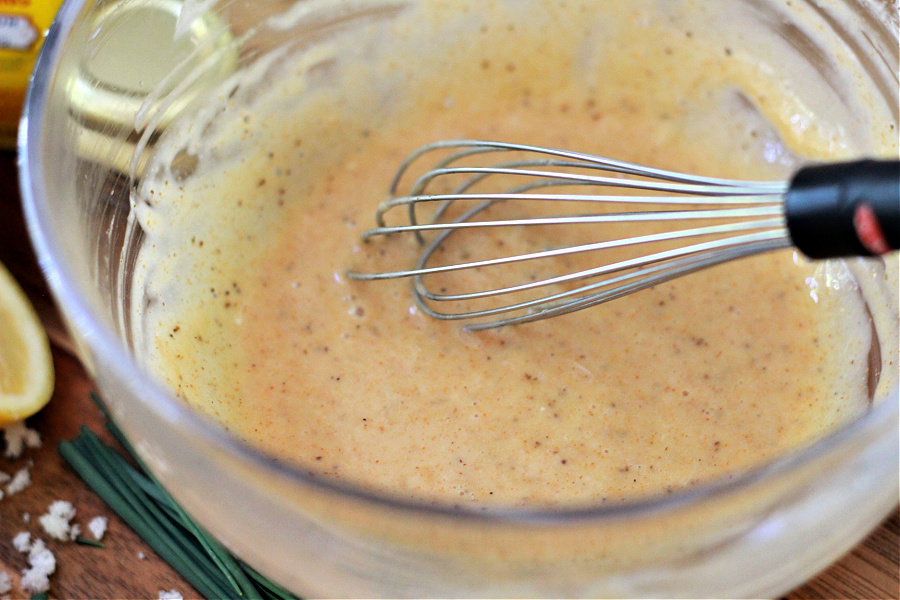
26 365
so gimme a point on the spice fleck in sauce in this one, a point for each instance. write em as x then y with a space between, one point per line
247 315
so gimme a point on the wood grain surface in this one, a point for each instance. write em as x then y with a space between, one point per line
127 568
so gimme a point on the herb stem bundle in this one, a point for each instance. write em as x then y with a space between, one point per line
139 499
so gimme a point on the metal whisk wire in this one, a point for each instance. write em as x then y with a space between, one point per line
754 212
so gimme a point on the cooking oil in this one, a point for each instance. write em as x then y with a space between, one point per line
118 107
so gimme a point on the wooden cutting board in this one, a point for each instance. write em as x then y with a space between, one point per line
128 568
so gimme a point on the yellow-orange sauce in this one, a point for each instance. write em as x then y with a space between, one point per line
247 314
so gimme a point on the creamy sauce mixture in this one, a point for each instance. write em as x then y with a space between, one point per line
247 314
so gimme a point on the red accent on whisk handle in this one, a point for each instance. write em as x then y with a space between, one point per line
845 209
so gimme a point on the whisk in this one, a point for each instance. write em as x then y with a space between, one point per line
694 222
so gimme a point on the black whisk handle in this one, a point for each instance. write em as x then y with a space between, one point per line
845 209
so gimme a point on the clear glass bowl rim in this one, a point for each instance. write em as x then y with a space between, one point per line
106 348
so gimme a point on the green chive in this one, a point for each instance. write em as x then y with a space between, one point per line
233 573
144 504
273 590
104 483
89 542
169 540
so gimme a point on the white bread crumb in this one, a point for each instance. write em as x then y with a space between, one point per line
18 437
57 520
5 583
142 556
22 541
97 526
26 517
170 595
42 563
74 531
4 477
20 481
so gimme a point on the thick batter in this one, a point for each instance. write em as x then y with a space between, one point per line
246 312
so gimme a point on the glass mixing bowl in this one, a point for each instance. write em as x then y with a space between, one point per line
114 74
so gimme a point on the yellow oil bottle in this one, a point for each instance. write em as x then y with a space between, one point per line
23 27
